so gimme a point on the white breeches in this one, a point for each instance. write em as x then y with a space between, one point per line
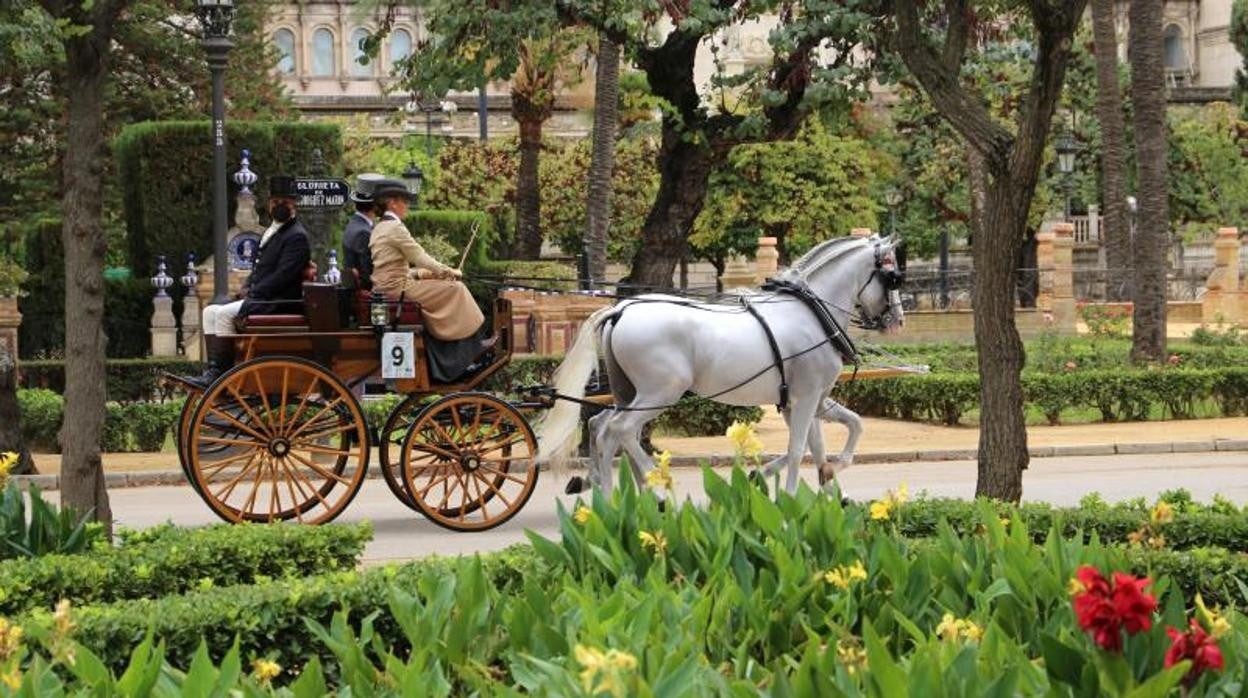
219 319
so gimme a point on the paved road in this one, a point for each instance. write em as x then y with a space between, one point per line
402 534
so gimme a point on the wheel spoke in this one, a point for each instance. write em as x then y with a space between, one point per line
306 446
275 496
303 403
243 427
228 489
316 491
230 442
313 420
250 505
281 412
329 475
264 398
497 492
247 408
498 446
509 476
334 427
223 464
291 484
433 483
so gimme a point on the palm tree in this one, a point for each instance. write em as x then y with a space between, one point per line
602 160
1117 236
1148 97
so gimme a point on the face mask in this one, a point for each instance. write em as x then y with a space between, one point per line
282 213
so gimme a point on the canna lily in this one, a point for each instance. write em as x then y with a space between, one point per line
8 459
881 510
12 679
601 671
843 576
1196 645
265 670
1161 513
1104 609
951 628
660 477
582 514
1219 626
655 541
851 656
745 440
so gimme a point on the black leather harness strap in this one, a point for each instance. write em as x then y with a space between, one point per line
775 351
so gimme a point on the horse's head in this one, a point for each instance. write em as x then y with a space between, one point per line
879 299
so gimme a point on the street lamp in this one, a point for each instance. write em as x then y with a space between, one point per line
413 178
892 197
449 108
1067 148
215 17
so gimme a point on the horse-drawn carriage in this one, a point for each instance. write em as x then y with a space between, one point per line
282 435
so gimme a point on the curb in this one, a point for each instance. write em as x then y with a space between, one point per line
172 478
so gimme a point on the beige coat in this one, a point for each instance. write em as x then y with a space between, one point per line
398 260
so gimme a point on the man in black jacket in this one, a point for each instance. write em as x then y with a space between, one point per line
274 287
356 257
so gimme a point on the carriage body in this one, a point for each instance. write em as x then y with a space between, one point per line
282 435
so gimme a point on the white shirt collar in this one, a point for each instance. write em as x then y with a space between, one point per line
391 215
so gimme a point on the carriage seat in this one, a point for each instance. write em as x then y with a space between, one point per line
280 320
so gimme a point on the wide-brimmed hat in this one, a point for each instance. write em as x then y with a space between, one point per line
365 183
283 186
391 188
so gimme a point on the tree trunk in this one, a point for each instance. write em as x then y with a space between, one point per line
602 162
528 191
11 415
1116 236
685 169
82 472
1001 221
1148 97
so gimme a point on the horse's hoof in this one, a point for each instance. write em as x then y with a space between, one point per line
576 485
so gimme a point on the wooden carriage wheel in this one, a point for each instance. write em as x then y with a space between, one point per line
278 438
467 461
391 437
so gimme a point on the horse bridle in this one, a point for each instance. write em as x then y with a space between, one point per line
891 277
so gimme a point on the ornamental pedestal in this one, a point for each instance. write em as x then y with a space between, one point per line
10 320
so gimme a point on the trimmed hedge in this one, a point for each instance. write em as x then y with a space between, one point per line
169 561
167 199
1119 395
270 619
128 380
1053 353
135 427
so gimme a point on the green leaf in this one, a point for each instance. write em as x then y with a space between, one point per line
311 682
1062 661
1160 684
885 673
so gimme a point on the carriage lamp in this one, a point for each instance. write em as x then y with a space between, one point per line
413 177
377 310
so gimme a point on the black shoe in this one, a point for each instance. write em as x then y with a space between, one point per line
220 358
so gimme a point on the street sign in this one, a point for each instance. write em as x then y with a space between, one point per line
321 193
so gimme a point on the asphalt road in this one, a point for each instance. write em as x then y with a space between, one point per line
403 534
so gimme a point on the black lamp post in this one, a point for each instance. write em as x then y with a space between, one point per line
413 178
1067 147
215 17
892 197
447 107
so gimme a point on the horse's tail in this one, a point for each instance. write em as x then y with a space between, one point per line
558 431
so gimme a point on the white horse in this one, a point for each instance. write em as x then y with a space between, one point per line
657 347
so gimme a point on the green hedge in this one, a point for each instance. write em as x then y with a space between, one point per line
1118 395
170 561
1053 353
133 427
270 619
128 380
167 195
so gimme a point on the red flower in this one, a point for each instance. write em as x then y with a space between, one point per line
1103 610
1133 606
1196 645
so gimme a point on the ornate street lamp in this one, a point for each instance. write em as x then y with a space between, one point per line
413 178
215 17
1067 148
892 197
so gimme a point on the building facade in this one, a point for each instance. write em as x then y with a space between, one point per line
1200 59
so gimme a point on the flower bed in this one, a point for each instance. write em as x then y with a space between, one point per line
744 596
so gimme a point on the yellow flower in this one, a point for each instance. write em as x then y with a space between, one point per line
265 670
12 679
582 515
851 656
10 638
902 495
842 577
948 628
61 616
1005 522
656 540
1074 587
1161 513
7 460
660 477
1157 542
1136 537
1218 624
745 440
952 628
881 510
606 668
972 631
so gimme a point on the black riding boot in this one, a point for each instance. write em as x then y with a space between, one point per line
220 358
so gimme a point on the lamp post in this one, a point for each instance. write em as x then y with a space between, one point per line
1067 148
892 197
413 178
215 17
446 106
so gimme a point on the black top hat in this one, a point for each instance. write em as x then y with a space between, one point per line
364 186
391 188
283 186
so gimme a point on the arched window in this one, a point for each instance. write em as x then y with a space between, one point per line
1175 56
284 39
322 52
400 46
360 64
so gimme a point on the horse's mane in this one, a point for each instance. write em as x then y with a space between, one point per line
822 254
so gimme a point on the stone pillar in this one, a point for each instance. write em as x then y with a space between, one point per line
192 333
164 326
10 320
1055 262
1223 296
737 273
766 261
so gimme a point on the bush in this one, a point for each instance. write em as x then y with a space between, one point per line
42 411
168 207
47 529
171 561
128 380
697 416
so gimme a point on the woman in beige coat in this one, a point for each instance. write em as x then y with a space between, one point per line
401 267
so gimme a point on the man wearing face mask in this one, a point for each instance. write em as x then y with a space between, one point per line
275 284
